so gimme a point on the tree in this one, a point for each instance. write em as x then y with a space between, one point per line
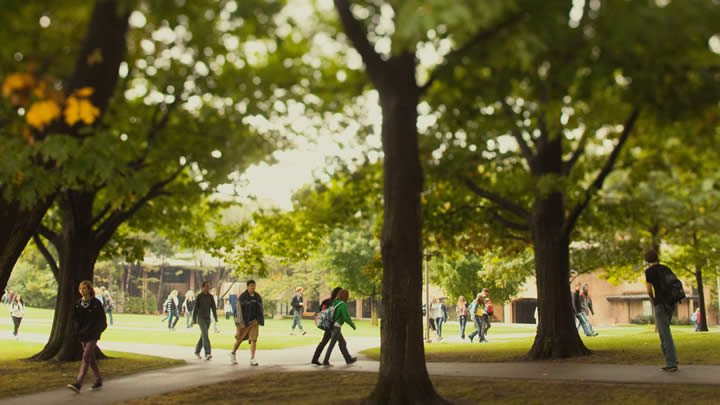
547 110
351 255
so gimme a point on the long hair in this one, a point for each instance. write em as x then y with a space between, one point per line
344 295
461 301
335 292
89 285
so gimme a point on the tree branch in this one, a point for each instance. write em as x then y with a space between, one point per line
568 166
47 255
117 218
51 236
517 134
102 214
499 200
476 40
600 179
357 34
495 216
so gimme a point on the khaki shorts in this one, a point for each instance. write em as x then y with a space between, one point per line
249 332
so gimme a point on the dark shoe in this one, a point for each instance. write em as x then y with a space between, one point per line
74 387
595 334
670 368
352 360
97 386
316 363
326 364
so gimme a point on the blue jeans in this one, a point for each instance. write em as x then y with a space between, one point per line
478 329
296 320
463 321
173 315
438 324
204 341
188 321
663 315
109 314
697 325
585 322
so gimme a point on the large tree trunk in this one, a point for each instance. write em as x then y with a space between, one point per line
403 377
556 335
79 253
701 298
17 226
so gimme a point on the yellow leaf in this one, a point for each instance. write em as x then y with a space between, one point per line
19 178
28 136
80 110
84 92
16 81
42 113
95 57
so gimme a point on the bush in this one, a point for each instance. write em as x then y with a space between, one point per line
135 305
151 305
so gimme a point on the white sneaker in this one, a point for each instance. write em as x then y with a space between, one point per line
233 360
208 357
253 362
199 357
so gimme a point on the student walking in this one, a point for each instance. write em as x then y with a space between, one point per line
487 311
227 309
328 334
188 307
89 323
476 311
660 293
695 318
107 304
205 310
586 308
171 307
438 311
17 311
213 292
249 317
341 317
461 309
298 307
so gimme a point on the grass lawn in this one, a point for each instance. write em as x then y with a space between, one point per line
313 388
20 377
641 347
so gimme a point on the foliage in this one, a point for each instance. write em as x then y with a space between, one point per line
351 255
37 286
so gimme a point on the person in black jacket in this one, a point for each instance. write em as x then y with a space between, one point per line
204 309
89 323
328 334
298 307
249 317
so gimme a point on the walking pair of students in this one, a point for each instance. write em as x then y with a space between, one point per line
338 300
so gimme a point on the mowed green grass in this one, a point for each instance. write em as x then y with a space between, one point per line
638 346
19 376
132 328
323 387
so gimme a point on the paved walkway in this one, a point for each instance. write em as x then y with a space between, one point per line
200 372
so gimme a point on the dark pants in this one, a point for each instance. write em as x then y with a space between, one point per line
88 360
463 321
335 336
486 324
432 324
438 324
16 322
204 341
173 319
479 329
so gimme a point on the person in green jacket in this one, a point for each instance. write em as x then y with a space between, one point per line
341 317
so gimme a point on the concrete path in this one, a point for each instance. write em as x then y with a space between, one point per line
200 372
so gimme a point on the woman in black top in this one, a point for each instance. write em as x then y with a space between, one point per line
328 334
88 324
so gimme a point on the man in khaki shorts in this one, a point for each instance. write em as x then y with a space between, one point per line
248 318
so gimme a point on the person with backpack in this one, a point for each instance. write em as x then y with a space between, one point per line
171 308
204 309
439 312
248 319
188 307
662 288
328 334
695 318
476 311
88 323
461 309
297 310
341 317
487 311
17 312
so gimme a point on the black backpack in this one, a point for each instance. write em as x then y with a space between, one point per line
674 287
